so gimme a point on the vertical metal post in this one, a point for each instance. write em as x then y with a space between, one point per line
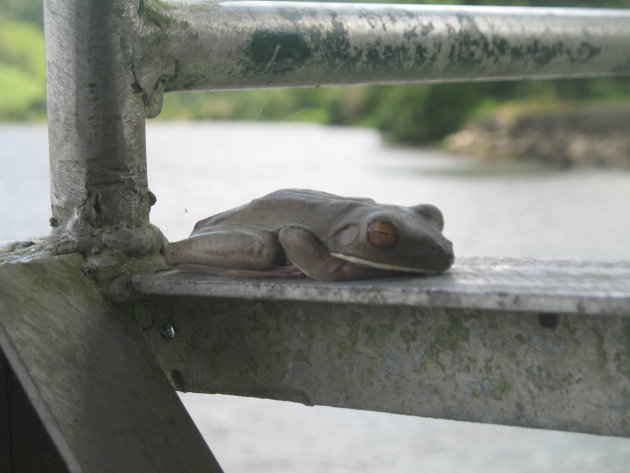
96 125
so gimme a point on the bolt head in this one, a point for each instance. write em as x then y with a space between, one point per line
167 330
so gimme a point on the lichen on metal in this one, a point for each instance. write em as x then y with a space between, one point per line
499 367
527 342
245 44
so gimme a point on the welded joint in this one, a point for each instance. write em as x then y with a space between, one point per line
152 66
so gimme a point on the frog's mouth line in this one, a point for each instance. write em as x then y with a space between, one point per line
374 264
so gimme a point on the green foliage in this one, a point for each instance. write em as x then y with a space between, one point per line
22 45
412 113
20 95
22 71
425 113
333 105
31 11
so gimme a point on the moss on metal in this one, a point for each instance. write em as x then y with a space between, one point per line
469 365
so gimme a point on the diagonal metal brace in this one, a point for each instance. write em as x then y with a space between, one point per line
90 375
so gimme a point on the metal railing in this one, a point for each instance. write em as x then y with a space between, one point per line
110 62
473 345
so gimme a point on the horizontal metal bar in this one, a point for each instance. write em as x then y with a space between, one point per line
246 44
544 371
570 287
522 342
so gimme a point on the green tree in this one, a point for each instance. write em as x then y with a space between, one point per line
22 70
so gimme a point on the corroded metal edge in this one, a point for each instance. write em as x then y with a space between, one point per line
572 287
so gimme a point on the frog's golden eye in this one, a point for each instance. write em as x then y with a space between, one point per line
382 234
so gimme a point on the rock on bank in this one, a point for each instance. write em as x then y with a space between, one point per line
565 139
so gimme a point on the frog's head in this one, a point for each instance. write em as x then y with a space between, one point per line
395 238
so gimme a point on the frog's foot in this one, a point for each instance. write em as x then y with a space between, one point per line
308 253
312 257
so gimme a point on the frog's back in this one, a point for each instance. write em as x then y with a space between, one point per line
288 206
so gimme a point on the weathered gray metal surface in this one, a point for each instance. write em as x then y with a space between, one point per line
96 129
511 341
563 372
90 375
578 287
237 44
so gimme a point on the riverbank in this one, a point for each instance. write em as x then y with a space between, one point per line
581 137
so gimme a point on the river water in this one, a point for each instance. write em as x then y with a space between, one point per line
197 169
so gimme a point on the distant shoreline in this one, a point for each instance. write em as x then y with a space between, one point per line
566 139
576 137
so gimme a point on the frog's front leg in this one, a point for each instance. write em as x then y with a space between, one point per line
313 258
227 247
